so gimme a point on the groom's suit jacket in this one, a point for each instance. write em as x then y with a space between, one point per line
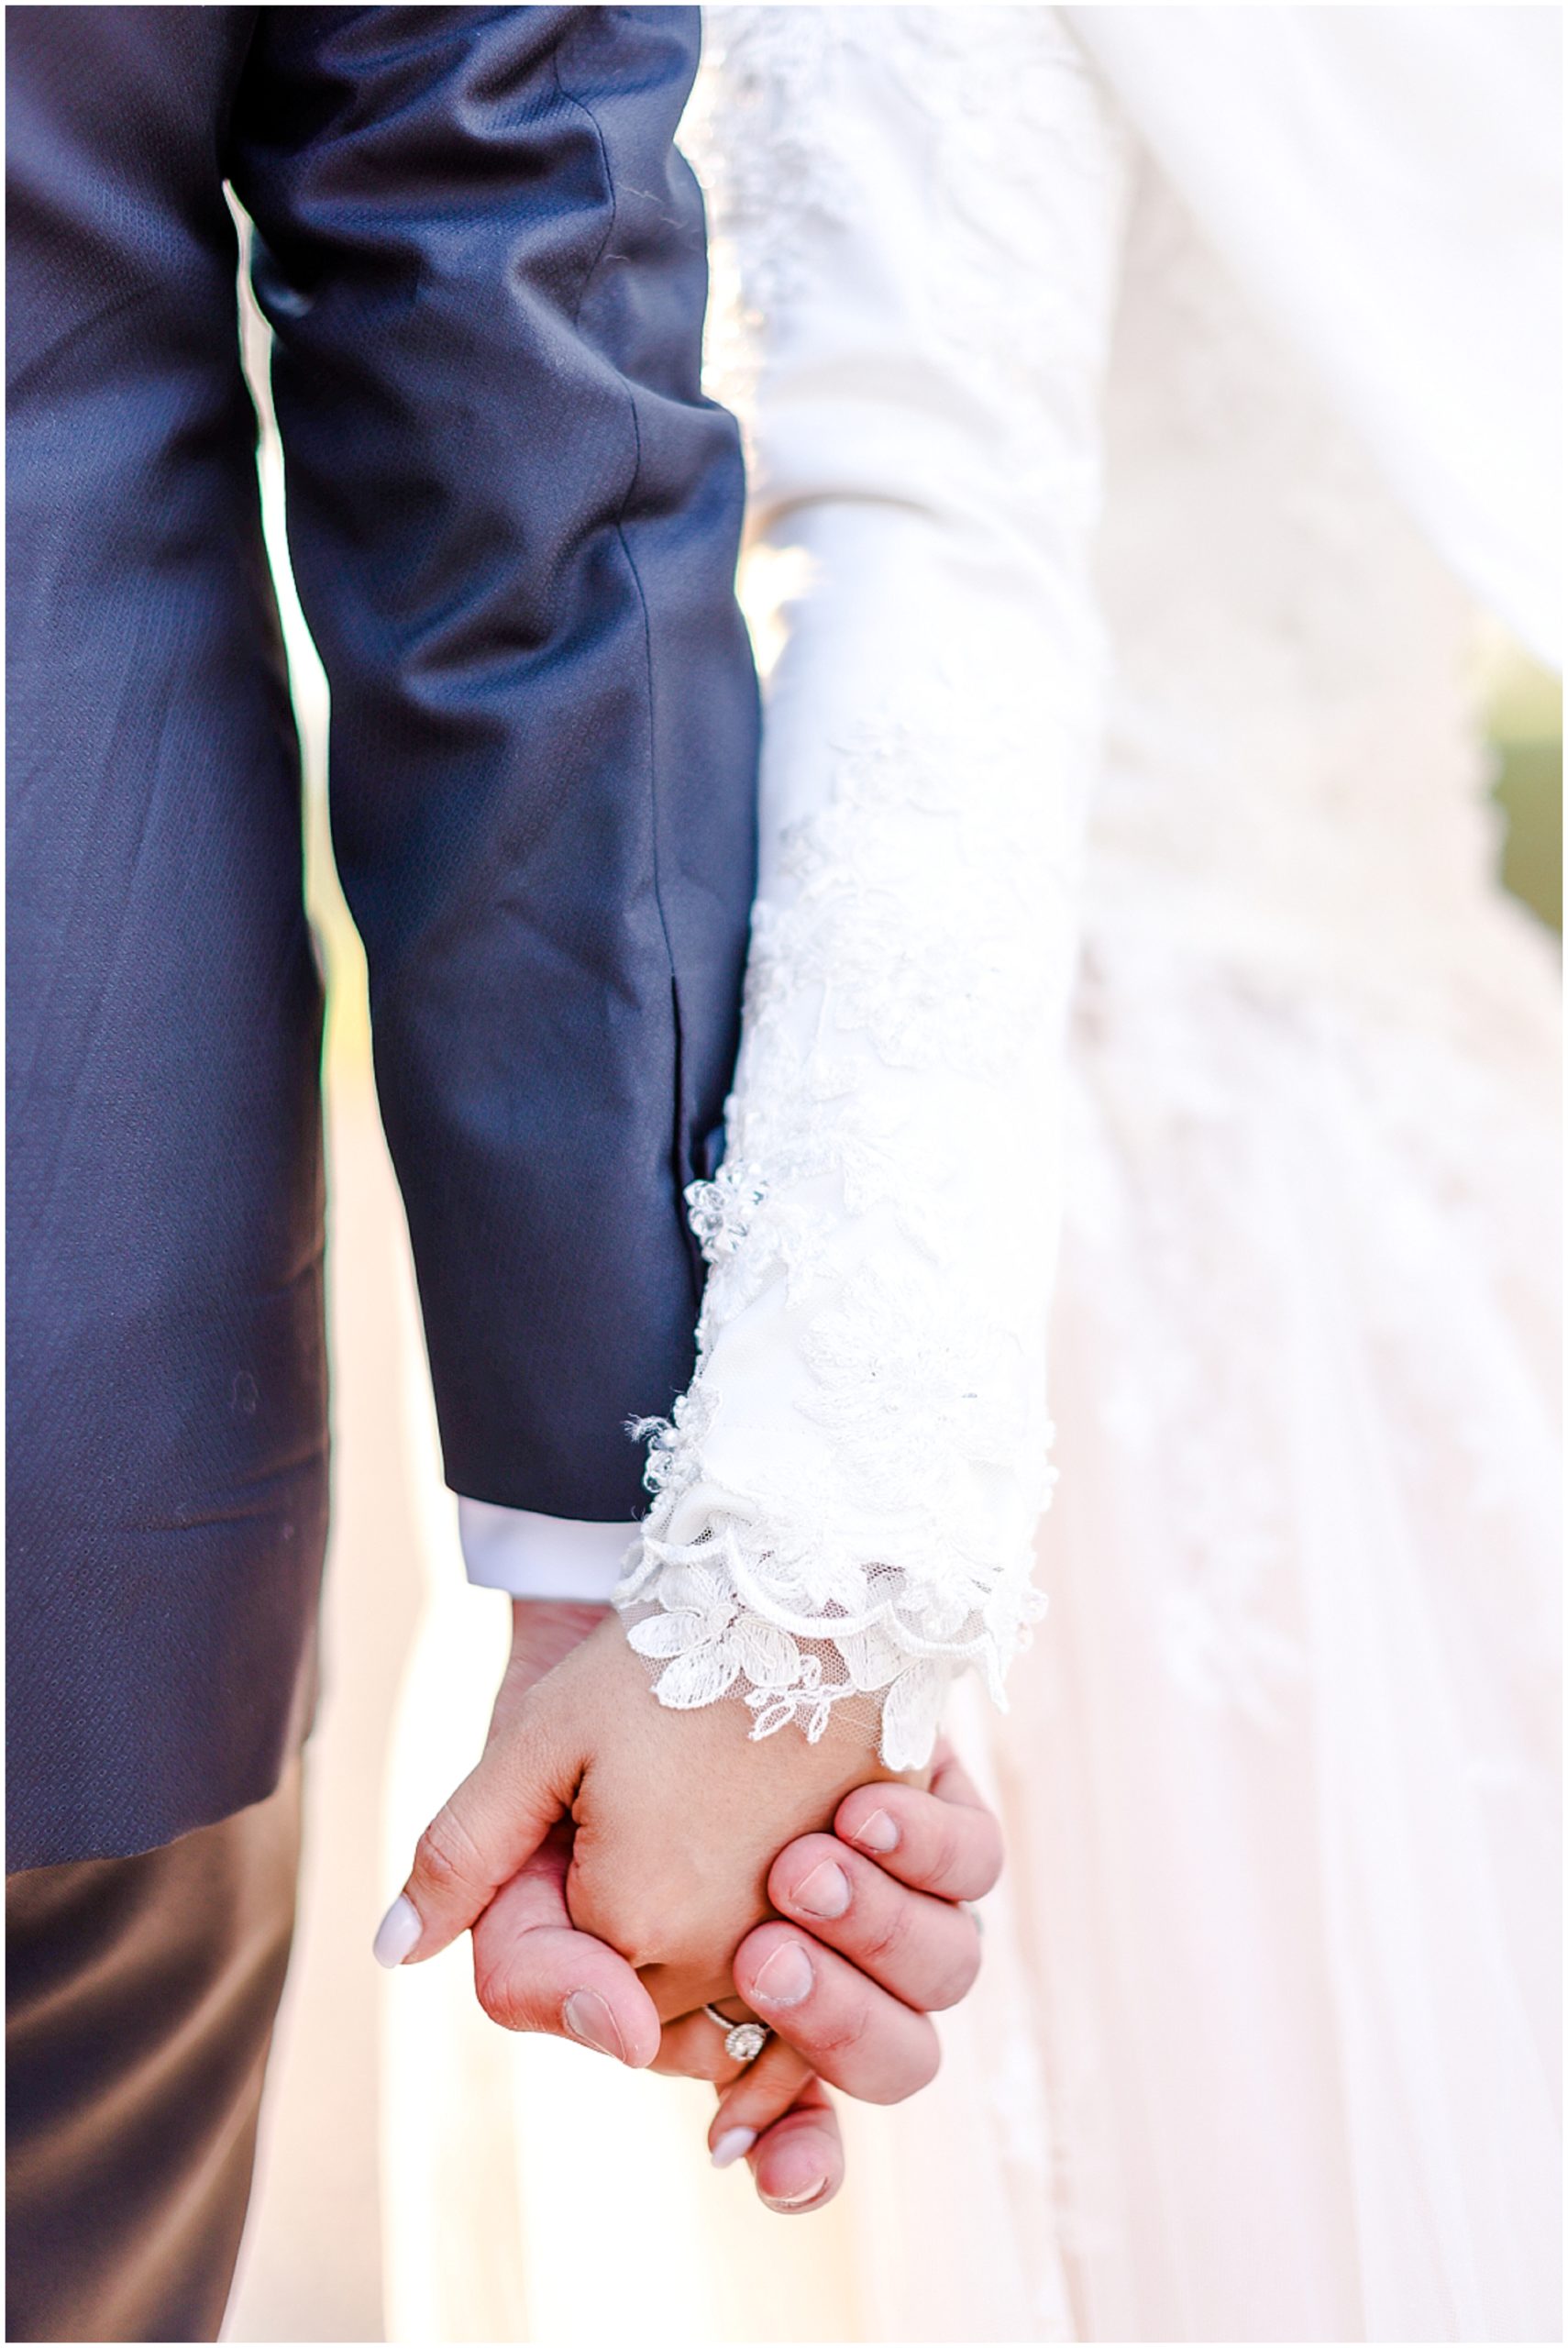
513 523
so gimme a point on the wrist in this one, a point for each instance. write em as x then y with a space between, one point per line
544 1630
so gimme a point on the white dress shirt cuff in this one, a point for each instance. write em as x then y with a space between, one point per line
530 1555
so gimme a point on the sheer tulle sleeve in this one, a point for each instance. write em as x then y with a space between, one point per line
918 215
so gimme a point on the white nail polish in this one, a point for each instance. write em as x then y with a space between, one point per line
397 1932
734 2145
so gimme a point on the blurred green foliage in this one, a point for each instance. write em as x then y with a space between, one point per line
1525 723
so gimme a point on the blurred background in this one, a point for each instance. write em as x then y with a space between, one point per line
350 2073
1524 704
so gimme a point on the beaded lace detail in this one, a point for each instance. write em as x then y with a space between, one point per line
914 1370
918 1375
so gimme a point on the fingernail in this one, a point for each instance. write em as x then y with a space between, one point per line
825 1891
734 2145
801 2200
879 1834
397 1933
785 1977
590 2021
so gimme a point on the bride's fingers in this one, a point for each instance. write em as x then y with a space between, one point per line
944 1841
798 2166
533 1971
760 2094
692 2047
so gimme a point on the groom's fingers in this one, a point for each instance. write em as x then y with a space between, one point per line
925 1951
847 2029
944 1841
533 1971
477 1841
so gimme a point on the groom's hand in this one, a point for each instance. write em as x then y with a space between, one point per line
876 1915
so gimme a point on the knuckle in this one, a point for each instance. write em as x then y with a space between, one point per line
921 2062
498 2005
623 1918
956 1975
637 1937
840 2028
921 2067
496 1996
645 1950
446 1856
886 1935
946 1854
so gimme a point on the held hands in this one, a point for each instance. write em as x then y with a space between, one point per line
618 1863
899 1947
676 1817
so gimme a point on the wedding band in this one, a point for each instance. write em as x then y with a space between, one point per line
744 2040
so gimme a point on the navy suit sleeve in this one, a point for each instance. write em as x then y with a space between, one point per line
513 522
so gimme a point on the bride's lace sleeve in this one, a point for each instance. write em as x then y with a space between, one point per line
917 212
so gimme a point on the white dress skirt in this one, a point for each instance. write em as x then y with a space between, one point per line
1266 2044
1271 2051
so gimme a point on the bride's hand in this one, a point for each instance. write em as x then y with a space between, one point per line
677 1818
900 1946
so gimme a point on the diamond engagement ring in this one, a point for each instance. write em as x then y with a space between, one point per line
744 2040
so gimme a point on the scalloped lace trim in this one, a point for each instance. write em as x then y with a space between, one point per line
918 1322
768 1603
715 1630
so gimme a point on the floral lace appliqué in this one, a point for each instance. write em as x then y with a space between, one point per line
928 1398
844 1501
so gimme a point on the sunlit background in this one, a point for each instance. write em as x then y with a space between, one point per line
344 2089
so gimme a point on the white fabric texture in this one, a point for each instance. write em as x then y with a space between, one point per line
532 1555
846 1501
927 229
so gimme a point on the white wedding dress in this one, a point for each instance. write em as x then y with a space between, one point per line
1131 957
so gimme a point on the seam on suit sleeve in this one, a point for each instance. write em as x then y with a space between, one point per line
677 1073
